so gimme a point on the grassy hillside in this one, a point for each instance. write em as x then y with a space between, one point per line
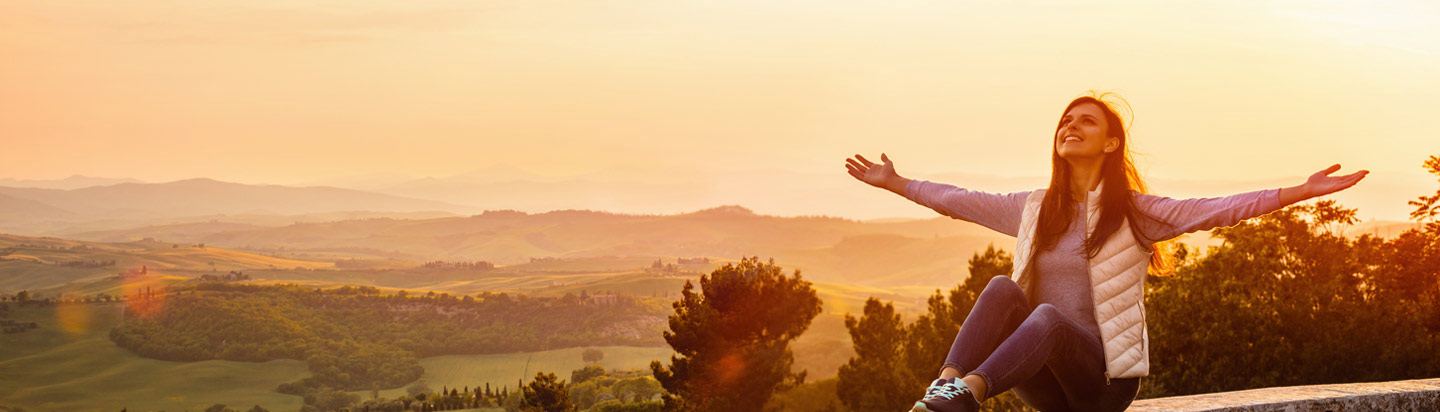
155 255
17 275
71 365
77 368
37 264
109 285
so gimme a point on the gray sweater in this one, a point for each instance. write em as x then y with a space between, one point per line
1061 273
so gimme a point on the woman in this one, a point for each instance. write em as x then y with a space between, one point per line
1082 346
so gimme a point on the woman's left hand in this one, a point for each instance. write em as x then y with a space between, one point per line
1321 183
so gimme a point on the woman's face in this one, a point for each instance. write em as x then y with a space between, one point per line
1082 134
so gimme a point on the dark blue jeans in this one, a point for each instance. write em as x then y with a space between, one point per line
1047 357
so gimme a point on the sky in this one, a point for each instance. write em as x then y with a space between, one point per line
292 92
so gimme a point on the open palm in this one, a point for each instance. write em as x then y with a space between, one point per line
875 174
1321 183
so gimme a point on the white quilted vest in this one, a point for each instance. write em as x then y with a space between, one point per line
1117 286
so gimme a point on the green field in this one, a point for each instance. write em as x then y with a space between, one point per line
76 368
70 364
18 275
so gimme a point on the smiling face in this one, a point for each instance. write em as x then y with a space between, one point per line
1083 134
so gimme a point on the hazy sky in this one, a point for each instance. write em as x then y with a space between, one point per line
300 91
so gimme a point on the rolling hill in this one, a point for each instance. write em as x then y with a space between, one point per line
915 252
52 266
825 248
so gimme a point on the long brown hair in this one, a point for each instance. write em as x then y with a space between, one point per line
1117 199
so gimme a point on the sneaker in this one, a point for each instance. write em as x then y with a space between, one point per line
947 395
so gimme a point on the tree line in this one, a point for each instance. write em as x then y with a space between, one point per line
590 388
354 338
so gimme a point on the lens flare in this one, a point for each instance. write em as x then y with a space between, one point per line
141 299
73 318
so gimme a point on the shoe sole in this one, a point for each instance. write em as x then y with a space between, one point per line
920 407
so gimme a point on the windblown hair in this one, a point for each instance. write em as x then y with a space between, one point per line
1117 197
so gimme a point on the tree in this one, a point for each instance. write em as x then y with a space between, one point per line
876 378
640 388
617 406
584 395
592 355
545 394
328 399
1425 207
732 338
585 374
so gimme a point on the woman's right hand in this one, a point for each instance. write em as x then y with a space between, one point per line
881 175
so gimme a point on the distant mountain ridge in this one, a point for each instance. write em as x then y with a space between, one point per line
13 208
44 211
72 182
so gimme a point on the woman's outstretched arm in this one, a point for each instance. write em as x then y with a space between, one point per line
999 212
1178 217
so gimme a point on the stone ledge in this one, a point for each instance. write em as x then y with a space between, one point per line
1412 395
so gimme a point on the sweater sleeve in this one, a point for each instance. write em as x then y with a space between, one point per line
1178 217
1000 212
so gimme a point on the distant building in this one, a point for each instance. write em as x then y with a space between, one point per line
604 299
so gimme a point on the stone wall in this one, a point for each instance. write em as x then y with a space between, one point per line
1412 395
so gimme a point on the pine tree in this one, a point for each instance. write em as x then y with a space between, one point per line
733 338
877 379
545 394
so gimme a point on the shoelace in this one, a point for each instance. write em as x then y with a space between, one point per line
946 391
929 392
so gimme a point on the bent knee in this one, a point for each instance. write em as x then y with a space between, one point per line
1046 312
1002 285
1046 309
1002 281
1001 288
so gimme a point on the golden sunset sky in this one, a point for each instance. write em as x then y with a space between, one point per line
295 92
